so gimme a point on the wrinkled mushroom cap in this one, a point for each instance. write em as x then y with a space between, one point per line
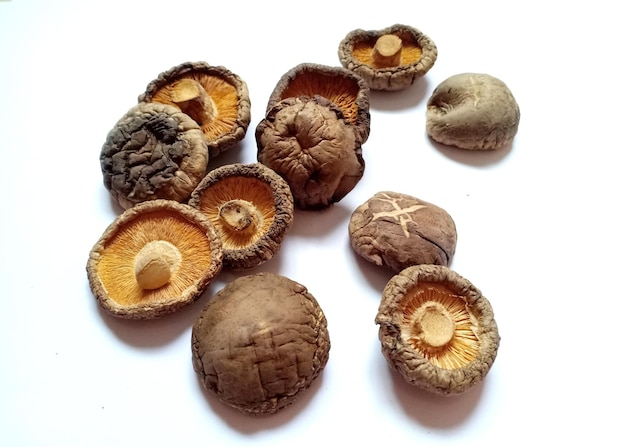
396 231
389 59
342 87
437 329
154 259
251 208
260 342
473 111
217 99
307 141
153 152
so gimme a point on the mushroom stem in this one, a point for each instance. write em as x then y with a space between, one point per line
193 100
387 51
240 215
155 264
434 325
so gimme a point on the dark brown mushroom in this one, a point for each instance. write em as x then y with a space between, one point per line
260 342
437 329
397 230
155 258
311 145
153 152
473 111
217 99
389 59
342 87
251 208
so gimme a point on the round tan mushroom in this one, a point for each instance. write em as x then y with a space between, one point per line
153 152
396 231
154 259
389 59
251 208
437 329
217 99
338 85
473 111
260 342
307 141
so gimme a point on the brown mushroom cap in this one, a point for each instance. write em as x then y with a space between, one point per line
344 88
474 111
397 230
217 99
389 59
251 208
260 342
154 259
153 152
308 142
437 329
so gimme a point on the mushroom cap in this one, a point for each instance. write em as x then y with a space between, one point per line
153 152
221 106
344 88
307 141
473 111
396 230
437 329
188 246
251 208
260 342
415 55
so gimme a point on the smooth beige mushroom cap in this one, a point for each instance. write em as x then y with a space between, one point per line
473 111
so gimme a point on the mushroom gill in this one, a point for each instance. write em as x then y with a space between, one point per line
438 324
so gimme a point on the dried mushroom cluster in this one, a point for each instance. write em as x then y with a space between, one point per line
316 121
263 339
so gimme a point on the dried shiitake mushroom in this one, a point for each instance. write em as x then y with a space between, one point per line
397 230
217 99
308 142
437 329
251 208
260 342
153 152
344 88
389 59
155 258
474 111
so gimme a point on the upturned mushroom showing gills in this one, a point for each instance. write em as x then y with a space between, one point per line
251 208
214 97
307 141
153 152
437 329
340 86
389 59
154 259
260 343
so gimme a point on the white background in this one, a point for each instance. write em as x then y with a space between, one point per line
540 225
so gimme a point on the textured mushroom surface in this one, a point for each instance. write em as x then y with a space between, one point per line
397 230
473 111
307 141
260 342
217 99
339 85
154 259
153 152
389 59
251 208
437 329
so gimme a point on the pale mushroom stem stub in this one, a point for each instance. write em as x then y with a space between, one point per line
240 215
